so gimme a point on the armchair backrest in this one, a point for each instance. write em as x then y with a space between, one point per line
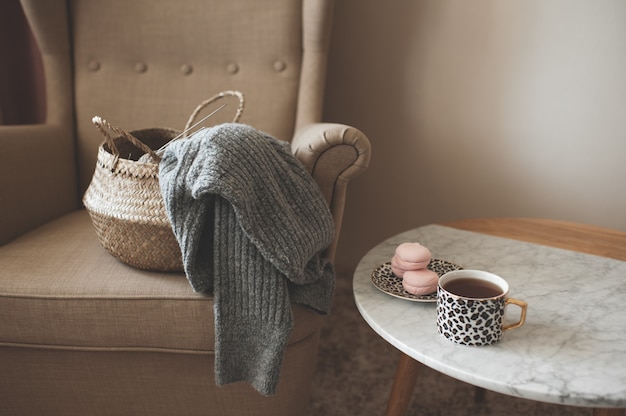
149 63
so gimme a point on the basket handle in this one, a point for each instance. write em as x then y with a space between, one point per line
216 97
103 126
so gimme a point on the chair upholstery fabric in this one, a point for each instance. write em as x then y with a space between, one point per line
82 333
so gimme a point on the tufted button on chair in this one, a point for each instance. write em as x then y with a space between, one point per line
80 332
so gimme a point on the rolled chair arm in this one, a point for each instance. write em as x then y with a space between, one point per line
333 154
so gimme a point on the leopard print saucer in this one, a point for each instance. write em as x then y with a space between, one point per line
386 281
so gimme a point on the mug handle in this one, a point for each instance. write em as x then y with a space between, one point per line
523 305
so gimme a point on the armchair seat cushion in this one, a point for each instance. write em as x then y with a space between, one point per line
97 302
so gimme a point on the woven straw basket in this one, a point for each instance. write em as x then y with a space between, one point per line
124 198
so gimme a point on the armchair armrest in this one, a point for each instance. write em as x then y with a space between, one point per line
333 154
37 177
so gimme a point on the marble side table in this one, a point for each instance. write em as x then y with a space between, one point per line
572 348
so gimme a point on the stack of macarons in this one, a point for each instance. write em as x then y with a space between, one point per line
410 262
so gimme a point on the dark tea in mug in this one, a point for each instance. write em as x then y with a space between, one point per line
471 306
468 287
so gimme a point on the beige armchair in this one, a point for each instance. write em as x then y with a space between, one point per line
80 332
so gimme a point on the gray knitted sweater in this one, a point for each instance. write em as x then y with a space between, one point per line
250 222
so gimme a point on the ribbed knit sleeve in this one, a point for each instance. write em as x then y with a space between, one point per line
251 223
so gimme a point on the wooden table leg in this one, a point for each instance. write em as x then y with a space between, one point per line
609 412
403 384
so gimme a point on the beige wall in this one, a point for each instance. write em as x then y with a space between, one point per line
481 108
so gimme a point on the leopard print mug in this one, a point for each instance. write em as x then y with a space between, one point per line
471 305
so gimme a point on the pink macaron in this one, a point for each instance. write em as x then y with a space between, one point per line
409 256
420 282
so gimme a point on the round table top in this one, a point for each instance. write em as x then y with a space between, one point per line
572 348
